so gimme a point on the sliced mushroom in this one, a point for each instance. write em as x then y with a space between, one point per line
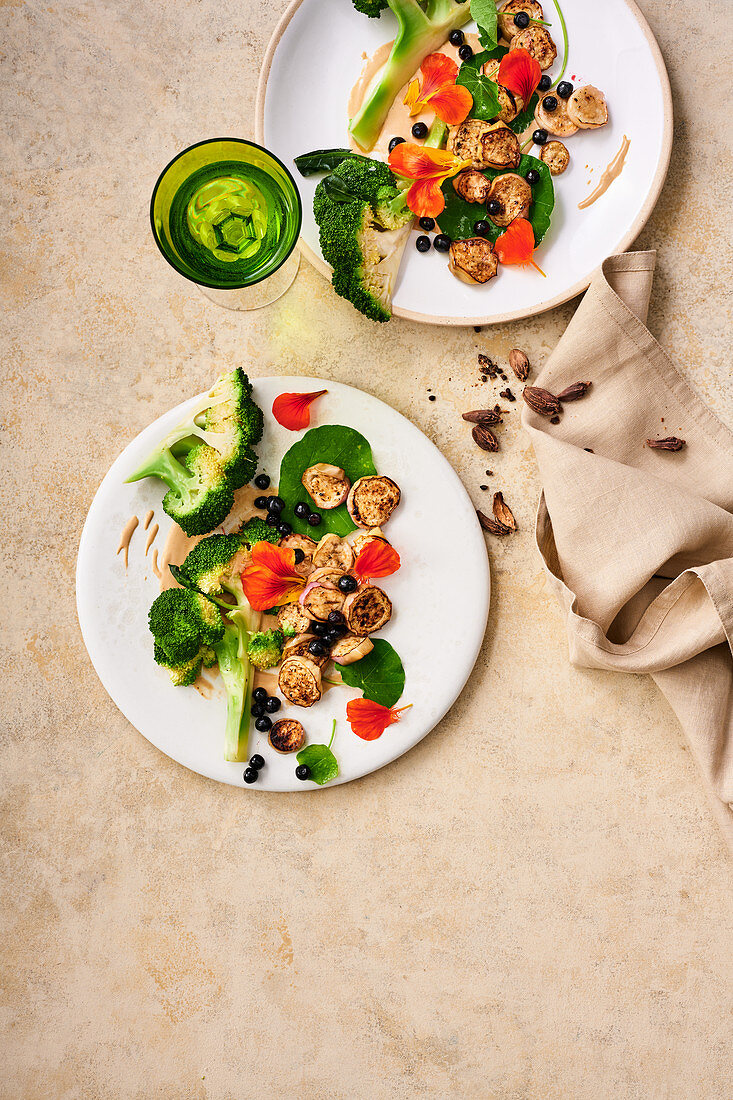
472 186
287 735
350 649
292 617
320 601
557 122
485 144
326 485
298 647
372 500
473 261
514 194
299 681
587 107
332 552
555 156
308 546
501 147
538 42
507 26
367 610
362 540
509 104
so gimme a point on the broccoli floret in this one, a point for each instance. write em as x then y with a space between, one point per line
372 8
215 564
266 648
423 26
256 530
363 239
182 675
206 458
181 622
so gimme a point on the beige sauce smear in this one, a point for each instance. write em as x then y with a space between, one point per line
610 173
148 518
156 570
127 533
151 537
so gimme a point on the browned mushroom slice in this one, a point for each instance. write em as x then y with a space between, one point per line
472 186
538 42
473 261
557 122
326 485
467 141
509 104
287 735
308 546
501 148
333 553
507 26
319 601
367 610
374 534
349 649
299 681
292 617
372 500
555 156
298 647
514 195
587 107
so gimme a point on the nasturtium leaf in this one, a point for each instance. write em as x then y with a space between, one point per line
321 160
459 216
484 12
484 92
380 676
337 445
321 761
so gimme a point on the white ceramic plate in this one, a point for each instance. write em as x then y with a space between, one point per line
313 61
444 566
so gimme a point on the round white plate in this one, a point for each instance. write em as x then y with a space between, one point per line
444 581
314 59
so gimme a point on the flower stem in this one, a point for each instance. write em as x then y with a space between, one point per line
565 44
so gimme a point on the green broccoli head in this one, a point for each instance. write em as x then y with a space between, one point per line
372 8
200 496
266 648
181 622
256 530
215 563
233 424
183 674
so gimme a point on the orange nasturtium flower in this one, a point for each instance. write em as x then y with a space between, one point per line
520 73
437 89
428 168
516 245
292 410
377 559
369 720
271 579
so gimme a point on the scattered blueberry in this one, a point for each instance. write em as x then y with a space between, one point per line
257 762
427 224
442 242
258 709
564 89
260 695
263 724
302 772
272 519
419 131
422 244
320 629
272 704
545 83
539 137
521 20
456 38
284 529
394 143
347 583
262 481
299 555
250 775
532 176
481 228
336 618
315 519
465 53
494 206
317 648
550 103
301 510
260 502
275 504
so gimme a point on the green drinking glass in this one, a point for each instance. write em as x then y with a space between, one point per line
226 214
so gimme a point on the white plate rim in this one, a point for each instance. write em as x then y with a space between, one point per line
513 315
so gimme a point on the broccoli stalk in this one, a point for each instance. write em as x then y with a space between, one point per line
422 28
237 673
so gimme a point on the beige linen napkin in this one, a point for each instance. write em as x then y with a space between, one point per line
638 543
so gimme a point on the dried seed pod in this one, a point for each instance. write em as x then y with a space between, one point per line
485 438
493 526
481 416
541 401
503 513
572 393
519 363
671 443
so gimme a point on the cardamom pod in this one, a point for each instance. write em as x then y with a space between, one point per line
477 416
519 363
494 526
572 393
671 443
503 513
541 401
485 438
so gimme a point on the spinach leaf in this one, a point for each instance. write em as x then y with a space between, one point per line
484 12
525 118
459 216
321 761
321 160
484 91
380 675
337 190
333 443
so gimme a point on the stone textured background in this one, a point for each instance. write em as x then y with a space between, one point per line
535 902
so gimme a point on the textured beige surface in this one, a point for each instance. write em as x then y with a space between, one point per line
533 903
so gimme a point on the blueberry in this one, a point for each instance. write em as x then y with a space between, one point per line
333 636
544 83
394 143
481 228
272 519
263 724
272 705
302 772
319 629
275 504
348 583
456 38
494 206
336 618
550 103
422 244
315 519
564 89
262 481
257 762
539 137
442 242
301 510
465 53
260 695
260 502
317 648
258 709
427 224
419 131
521 20
284 529
250 775
299 555
532 176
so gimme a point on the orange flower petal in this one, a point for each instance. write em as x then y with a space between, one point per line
292 410
369 720
516 244
451 103
437 69
377 559
415 162
271 578
425 199
520 73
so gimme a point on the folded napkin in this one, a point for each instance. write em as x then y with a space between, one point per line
638 543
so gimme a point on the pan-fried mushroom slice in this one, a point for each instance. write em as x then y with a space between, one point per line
473 261
485 144
299 681
293 617
367 610
537 42
308 546
587 107
501 147
472 186
514 194
287 735
326 485
372 500
509 104
318 601
349 649
507 26
298 647
557 122
362 540
555 156
333 553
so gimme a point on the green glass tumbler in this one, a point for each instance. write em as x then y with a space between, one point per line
226 214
